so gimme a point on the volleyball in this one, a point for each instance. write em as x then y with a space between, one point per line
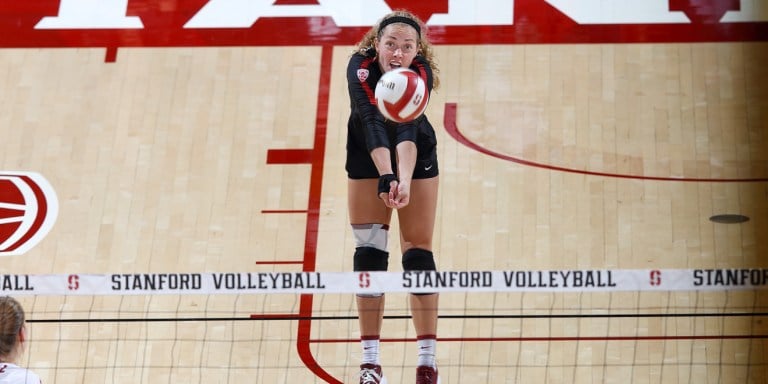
401 95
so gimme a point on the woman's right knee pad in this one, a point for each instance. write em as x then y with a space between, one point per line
370 259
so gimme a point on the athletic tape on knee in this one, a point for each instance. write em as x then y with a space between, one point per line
417 259
371 235
370 259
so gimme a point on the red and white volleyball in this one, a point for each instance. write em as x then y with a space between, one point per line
28 209
401 95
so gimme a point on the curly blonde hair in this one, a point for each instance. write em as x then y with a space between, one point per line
425 47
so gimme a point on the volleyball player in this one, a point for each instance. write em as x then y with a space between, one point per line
392 166
13 335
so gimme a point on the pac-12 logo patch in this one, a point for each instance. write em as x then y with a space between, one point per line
362 74
28 209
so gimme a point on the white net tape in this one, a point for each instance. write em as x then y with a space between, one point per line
372 282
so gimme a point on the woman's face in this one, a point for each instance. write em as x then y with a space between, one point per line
397 46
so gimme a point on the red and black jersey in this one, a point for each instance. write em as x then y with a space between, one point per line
363 73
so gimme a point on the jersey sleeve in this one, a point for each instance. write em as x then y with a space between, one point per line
363 102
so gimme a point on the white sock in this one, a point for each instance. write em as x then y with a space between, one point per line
370 351
426 352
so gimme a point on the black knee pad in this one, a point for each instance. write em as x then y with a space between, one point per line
370 259
417 259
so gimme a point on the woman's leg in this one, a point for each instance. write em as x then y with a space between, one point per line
365 209
417 223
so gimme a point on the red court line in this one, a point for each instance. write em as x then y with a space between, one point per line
289 156
110 56
283 211
449 119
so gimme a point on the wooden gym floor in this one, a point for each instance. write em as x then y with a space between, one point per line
231 159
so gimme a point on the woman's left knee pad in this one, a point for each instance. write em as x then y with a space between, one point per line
417 259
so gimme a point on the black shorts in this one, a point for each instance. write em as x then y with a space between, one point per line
359 164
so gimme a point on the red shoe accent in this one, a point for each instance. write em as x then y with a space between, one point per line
426 375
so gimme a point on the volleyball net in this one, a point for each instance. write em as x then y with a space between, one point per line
374 282
274 327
